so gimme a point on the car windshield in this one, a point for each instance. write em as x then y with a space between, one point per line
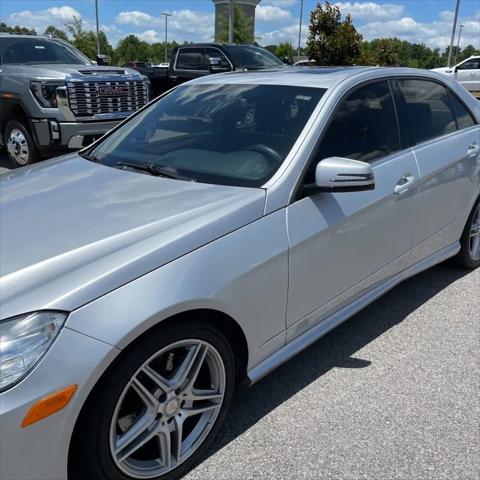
30 51
252 58
223 134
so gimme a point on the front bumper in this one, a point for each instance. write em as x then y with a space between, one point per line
52 135
40 451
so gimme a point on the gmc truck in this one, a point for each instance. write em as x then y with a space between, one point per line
54 99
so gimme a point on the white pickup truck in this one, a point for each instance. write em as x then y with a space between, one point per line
467 73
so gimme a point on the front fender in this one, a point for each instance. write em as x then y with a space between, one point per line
243 274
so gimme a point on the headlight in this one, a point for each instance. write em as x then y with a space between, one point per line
45 92
23 342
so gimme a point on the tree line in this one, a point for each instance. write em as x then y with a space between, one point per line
332 40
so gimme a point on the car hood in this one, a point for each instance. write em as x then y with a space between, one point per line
61 72
72 230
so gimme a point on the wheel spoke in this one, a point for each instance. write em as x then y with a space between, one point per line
195 395
197 410
157 379
189 369
475 231
136 437
177 439
145 395
165 445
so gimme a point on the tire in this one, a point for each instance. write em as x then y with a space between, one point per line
21 148
115 408
469 255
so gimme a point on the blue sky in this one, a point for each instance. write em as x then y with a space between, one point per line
427 21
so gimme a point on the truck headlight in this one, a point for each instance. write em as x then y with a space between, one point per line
23 342
45 92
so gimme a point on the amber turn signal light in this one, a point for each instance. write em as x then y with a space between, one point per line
49 405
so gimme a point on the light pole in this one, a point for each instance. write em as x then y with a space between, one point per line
453 34
98 28
458 43
300 29
166 15
230 20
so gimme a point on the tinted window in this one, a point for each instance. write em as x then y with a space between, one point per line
364 127
226 134
464 118
190 59
428 111
473 64
216 57
30 51
252 57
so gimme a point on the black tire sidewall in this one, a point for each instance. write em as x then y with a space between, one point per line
464 258
96 460
32 148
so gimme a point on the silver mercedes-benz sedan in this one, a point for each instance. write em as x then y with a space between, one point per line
208 239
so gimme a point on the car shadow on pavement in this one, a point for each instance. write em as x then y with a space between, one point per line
333 350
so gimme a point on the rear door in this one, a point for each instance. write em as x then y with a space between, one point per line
446 142
343 244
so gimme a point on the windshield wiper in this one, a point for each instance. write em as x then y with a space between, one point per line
155 170
86 156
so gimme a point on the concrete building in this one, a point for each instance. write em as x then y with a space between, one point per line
247 7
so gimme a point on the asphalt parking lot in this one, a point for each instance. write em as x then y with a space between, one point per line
394 393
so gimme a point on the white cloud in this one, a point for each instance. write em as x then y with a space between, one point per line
134 17
270 13
40 19
434 34
371 10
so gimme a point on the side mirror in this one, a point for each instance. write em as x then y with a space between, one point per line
102 60
217 67
336 174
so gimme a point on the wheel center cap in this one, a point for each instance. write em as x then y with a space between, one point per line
172 406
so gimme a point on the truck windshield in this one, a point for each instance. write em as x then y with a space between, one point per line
223 134
31 51
252 58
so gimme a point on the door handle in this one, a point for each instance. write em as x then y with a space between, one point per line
404 184
473 149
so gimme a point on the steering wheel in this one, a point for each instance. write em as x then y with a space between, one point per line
269 152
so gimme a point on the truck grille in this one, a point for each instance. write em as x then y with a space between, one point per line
91 98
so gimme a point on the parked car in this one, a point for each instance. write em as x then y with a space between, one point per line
466 73
198 60
207 240
306 63
53 98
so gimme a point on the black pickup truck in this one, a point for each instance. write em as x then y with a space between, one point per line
197 60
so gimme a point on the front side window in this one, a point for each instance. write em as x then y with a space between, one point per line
473 64
216 57
364 126
223 134
190 59
29 51
428 110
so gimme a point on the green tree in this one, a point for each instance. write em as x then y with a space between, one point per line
16 29
286 51
332 41
55 32
131 48
242 28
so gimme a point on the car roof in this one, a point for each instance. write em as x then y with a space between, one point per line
317 77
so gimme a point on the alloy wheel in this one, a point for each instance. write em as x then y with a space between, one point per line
17 146
167 409
475 236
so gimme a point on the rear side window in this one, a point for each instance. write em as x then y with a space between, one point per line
464 117
190 59
473 64
364 127
428 110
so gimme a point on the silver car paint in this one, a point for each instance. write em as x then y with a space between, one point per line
242 272
120 226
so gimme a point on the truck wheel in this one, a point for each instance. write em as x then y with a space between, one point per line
20 145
